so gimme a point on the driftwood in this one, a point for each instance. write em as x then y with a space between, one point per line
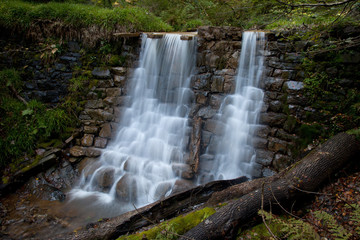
305 176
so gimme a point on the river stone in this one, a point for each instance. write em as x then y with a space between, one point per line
77 151
91 129
92 152
106 131
262 131
87 140
105 178
162 189
112 101
126 188
100 142
101 73
182 185
88 165
259 142
183 170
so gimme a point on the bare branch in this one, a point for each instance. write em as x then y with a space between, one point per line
323 4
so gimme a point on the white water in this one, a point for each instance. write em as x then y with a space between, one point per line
240 112
153 133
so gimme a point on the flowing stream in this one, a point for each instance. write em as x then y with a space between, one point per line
139 167
239 114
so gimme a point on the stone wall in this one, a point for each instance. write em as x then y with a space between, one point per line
218 55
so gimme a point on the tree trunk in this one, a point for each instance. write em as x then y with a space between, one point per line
307 175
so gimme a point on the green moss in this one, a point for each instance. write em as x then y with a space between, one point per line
173 228
355 132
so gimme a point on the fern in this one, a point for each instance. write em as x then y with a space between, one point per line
337 230
292 228
355 216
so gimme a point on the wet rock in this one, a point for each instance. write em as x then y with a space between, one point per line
88 164
162 190
101 73
77 151
105 178
91 129
182 185
126 188
206 112
215 127
100 142
49 193
183 170
93 152
106 131
87 140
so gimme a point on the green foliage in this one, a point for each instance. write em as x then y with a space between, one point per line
292 228
336 229
15 13
10 77
173 228
22 126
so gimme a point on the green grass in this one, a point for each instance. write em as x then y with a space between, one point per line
23 14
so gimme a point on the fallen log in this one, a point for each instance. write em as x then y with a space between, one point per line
181 202
305 176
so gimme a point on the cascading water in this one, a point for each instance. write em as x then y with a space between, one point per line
139 165
239 114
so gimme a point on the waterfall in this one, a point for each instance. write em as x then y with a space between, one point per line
239 114
140 164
